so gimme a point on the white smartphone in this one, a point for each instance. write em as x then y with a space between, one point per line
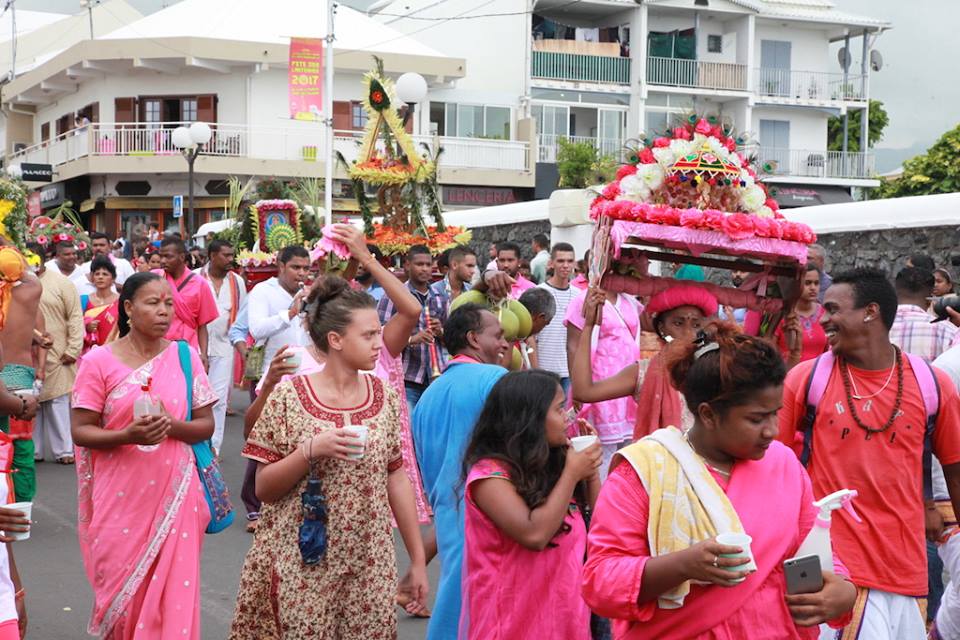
803 575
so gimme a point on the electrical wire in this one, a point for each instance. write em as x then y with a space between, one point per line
410 16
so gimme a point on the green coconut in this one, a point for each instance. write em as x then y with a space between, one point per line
516 360
523 316
510 324
468 297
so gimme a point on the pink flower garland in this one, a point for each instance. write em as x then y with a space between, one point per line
737 226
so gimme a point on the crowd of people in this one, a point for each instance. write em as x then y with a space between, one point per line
581 497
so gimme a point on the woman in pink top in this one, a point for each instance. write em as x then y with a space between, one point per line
613 345
525 535
733 384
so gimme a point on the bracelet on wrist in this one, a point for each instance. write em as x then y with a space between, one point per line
20 595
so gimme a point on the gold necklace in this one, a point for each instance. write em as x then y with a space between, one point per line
706 462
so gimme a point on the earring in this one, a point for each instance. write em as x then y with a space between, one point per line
868 319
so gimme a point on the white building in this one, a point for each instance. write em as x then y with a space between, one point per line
604 70
225 63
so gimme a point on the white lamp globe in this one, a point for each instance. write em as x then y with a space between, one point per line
181 138
200 132
15 171
411 88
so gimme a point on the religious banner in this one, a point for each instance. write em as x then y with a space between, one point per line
305 78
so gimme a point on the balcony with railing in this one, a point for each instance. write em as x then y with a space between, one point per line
576 67
696 74
302 143
809 86
548 146
807 163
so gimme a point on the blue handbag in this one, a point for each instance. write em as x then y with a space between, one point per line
214 487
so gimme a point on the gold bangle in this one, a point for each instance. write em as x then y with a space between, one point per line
303 452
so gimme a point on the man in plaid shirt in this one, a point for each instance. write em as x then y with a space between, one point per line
912 329
424 344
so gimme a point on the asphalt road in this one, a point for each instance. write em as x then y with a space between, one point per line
58 596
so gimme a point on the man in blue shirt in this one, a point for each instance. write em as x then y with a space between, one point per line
442 424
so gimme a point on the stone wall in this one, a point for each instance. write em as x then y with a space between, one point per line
521 233
889 249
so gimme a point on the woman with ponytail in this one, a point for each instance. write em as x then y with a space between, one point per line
654 564
341 426
141 508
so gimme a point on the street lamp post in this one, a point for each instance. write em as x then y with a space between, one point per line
190 140
89 5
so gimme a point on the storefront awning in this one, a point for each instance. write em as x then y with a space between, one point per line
789 196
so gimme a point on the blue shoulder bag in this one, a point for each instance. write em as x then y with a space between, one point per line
214 487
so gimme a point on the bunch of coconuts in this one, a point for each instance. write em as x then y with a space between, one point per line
514 319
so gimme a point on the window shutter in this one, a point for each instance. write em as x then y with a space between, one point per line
45 132
342 116
125 109
207 108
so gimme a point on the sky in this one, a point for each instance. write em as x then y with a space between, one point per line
917 83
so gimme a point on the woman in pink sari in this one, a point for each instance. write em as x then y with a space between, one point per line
141 508
101 309
654 565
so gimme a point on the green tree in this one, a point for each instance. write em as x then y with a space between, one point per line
575 163
936 171
877 121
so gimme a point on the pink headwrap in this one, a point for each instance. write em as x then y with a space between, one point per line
683 294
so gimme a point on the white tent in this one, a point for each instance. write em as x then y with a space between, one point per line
895 213
212 227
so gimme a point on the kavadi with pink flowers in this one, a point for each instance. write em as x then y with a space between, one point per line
691 196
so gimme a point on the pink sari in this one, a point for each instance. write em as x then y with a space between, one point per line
141 510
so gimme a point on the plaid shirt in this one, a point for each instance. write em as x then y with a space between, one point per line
913 332
416 358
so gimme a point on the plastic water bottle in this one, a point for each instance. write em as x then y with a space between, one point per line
147 404
817 541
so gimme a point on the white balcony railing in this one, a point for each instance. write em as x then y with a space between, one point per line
816 86
580 68
298 142
816 163
696 74
548 145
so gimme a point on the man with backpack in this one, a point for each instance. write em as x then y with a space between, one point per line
866 416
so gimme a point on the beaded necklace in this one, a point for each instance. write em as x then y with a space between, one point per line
845 374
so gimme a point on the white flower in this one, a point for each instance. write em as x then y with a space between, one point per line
665 156
651 175
753 198
634 188
765 212
746 177
681 147
734 159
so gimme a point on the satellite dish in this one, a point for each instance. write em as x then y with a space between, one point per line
844 58
876 60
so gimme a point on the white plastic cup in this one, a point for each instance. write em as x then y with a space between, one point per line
743 541
27 509
361 431
580 443
295 358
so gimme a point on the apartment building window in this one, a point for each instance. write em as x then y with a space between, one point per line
151 111
714 44
471 121
358 116
188 107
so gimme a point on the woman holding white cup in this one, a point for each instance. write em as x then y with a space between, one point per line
657 563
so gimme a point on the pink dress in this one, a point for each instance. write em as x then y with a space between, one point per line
513 593
774 500
389 369
141 509
614 347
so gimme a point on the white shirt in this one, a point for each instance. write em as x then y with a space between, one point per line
123 267
270 323
218 344
78 278
552 340
948 362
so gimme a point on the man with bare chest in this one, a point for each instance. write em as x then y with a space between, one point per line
19 373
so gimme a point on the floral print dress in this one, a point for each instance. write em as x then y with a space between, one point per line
349 594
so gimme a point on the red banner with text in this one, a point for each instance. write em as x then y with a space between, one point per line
305 78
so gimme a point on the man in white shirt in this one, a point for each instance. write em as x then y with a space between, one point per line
100 244
65 263
541 258
274 305
552 340
229 291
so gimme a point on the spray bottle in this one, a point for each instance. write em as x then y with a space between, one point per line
817 541
146 403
